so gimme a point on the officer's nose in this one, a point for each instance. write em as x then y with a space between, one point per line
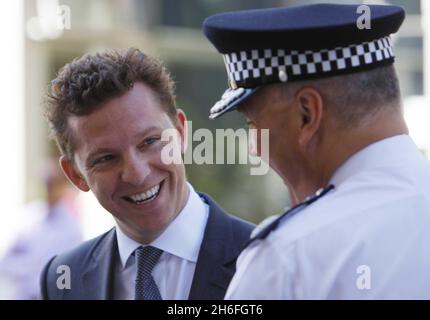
134 170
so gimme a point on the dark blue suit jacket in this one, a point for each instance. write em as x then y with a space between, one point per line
92 263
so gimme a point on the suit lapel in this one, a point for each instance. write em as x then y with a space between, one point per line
216 262
98 277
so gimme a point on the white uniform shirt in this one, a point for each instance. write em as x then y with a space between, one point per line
180 243
368 238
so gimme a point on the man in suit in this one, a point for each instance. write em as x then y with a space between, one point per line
108 113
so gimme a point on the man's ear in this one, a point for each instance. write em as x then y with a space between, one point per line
181 125
73 174
310 106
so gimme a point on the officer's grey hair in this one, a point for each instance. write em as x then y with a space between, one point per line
356 97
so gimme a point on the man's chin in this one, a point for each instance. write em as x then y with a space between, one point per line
143 230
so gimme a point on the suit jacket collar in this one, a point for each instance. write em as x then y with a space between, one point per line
216 263
98 278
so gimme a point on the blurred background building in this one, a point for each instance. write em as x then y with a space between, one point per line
40 36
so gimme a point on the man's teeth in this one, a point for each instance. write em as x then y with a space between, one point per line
145 195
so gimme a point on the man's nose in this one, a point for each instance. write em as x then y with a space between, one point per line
134 170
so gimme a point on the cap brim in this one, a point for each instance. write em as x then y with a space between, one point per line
230 100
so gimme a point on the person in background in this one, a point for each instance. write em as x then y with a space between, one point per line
55 229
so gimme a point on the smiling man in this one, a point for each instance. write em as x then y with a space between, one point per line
107 113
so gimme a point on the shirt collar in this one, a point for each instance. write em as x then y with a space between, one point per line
383 153
182 237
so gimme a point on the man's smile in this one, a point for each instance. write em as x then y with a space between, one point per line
145 196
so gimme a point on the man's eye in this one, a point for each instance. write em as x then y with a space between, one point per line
151 140
104 159
148 142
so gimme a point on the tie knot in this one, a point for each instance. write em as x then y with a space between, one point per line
147 258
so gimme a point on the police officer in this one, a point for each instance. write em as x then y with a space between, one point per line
322 80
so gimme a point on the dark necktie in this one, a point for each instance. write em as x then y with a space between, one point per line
146 259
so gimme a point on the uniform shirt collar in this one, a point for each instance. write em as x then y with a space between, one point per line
386 152
182 237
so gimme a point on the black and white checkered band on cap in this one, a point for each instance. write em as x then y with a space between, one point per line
252 68
292 43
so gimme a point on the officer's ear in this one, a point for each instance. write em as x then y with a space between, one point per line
310 108
181 126
73 174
